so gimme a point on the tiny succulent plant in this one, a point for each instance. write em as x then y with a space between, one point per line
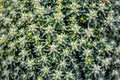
59 40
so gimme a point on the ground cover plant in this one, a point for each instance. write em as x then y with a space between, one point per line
59 40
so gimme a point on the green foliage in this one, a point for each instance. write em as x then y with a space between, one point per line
59 40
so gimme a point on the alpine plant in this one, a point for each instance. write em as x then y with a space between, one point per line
59 40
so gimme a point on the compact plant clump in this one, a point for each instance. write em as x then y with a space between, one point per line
59 40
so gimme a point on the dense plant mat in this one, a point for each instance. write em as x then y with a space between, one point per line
59 40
